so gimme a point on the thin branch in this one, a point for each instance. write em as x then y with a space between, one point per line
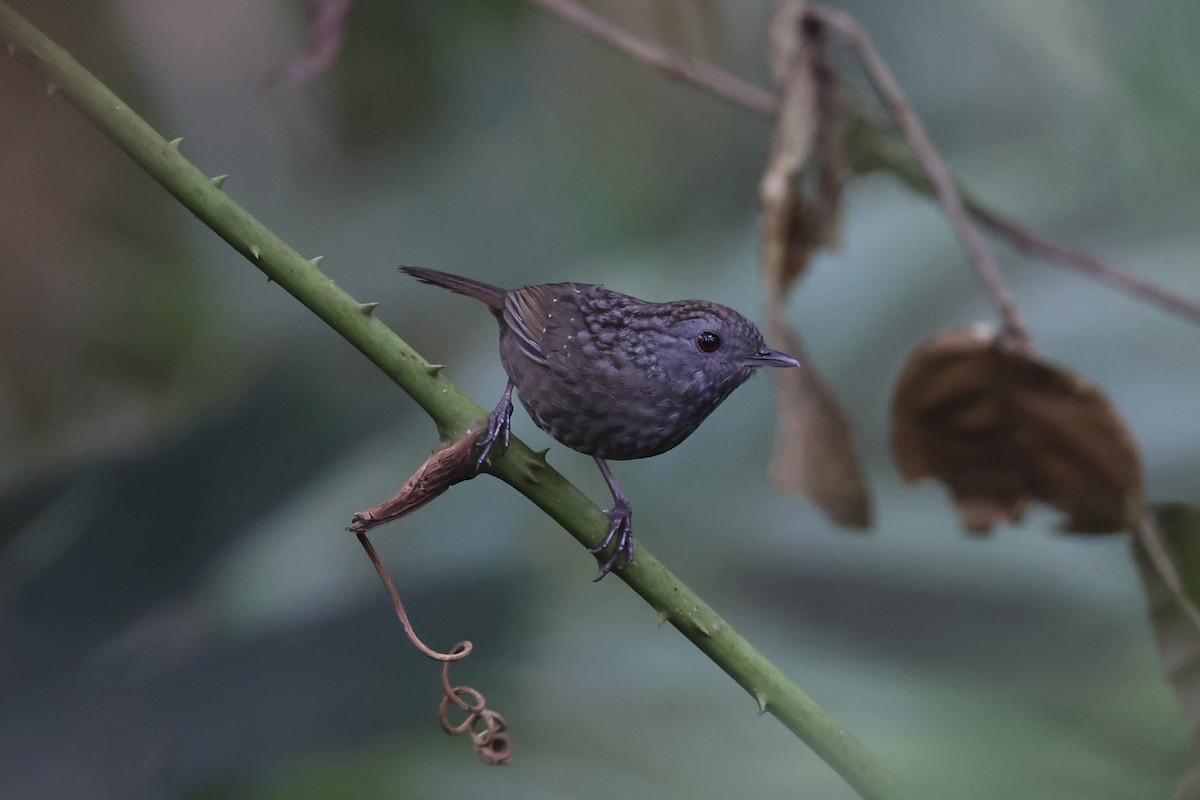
669 62
871 148
1035 245
729 87
1149 535
454 412
910 125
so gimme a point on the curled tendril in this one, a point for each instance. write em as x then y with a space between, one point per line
492 743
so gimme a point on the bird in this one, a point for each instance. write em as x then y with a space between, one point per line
612 376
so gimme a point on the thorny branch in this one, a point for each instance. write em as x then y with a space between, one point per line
732 89
452 411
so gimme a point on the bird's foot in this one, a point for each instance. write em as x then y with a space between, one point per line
620 527
499 428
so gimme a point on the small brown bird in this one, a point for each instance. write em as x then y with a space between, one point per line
610 375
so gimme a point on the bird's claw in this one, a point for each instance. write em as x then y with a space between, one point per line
620 527
499 428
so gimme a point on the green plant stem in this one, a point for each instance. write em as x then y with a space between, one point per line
453 412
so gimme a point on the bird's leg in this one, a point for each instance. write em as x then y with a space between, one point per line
620 525
499 426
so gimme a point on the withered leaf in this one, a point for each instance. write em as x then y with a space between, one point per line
802 186
785 242
1001 427
814 454
1172 532
452 464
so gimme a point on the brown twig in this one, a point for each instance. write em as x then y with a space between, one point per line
451 464
753 98
1035 245
893 98
672 64
871 149
1149 535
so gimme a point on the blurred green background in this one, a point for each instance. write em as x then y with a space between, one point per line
181 444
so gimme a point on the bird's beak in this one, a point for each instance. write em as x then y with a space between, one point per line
771 358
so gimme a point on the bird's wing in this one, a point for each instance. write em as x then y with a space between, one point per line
543 317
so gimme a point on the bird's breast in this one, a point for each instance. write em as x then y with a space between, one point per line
605 402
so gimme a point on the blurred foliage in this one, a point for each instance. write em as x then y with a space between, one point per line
377 100
181 444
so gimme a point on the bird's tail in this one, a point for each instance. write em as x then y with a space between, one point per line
492 295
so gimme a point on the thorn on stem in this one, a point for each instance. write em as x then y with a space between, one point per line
434 369
535 464
174 143
761 698
316 260
219 180
256 252
368 308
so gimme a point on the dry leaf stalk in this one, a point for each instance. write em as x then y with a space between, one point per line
444 468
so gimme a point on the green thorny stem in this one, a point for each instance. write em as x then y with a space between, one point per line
453 412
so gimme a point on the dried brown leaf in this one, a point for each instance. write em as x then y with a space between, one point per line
1001 427
785 255
444 468
814 453
802 186
1171 601
834 164
786 45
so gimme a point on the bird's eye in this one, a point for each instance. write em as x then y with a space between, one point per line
708 341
